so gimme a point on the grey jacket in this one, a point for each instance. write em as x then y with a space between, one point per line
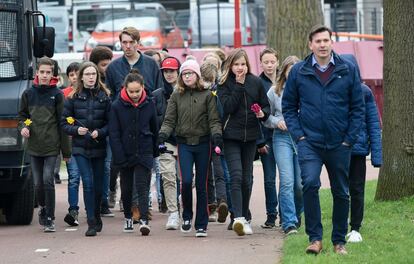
275 102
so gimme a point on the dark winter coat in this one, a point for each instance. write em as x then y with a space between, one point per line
43 105
90 109
119 68
240 122
369 138
133 132
161 97
267 83
326 114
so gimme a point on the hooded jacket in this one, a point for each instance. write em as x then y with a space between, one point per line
90 108
43 105
133 131
325 114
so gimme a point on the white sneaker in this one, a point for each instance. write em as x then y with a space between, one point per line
173 221
248 228
213 217
354 237
238 226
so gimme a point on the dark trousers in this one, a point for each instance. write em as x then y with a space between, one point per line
200 155
239 157
216 182
357 175
336 162
141 177
113 176
91 170
44 182
269 173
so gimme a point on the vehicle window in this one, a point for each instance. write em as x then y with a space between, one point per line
209 18
89 18
146 23
9 52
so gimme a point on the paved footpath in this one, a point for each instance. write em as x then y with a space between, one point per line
28 244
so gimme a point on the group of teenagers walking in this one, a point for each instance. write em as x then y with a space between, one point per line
203 127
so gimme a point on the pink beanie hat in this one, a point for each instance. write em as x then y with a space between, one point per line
191 65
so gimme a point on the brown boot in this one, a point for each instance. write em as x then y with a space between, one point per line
136 215
315 247
340 249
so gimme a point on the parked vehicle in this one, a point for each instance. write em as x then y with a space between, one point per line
21 40
252 25
156 28
58 18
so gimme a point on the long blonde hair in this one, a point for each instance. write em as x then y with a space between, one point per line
228 63
78 88
282 77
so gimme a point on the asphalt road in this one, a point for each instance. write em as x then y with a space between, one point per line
28 244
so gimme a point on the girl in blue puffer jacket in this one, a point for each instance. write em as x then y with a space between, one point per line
369 141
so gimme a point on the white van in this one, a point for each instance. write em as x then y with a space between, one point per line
58 17
209 25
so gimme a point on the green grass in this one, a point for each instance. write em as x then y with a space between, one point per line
387 232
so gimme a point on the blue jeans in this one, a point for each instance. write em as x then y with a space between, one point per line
106 175
290 189
337 162
73 183
92 171
200 155
269 172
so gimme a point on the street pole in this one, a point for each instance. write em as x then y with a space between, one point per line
199 24
237 32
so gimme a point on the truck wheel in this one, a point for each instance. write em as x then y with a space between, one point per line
20 210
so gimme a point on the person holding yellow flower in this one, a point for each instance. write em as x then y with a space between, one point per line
40 111
85 118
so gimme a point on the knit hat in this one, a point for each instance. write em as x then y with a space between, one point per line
191 65
170 63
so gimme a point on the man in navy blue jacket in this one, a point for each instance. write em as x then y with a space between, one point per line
323 108
132 58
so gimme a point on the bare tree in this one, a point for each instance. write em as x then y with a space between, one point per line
396 178
288 24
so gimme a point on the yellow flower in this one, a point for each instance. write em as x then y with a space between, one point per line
28 122
70 120
214 93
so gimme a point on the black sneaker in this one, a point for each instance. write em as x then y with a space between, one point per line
144 228
290 230
49 226
201 232
105 212
57 179
128 225
186 226
42 216
71 218
99 224
270 221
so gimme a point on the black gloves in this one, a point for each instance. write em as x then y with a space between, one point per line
162 137
218 140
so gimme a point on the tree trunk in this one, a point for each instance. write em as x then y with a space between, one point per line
289 23
396 177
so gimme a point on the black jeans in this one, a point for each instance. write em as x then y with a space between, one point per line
239 157
216 185
113 176
141 177
357 175
44 182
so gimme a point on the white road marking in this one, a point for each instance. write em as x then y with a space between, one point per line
41 250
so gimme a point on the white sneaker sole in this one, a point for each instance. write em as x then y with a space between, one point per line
201 234
128 231
171 227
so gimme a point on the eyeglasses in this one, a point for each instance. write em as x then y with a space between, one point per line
188 74
89 74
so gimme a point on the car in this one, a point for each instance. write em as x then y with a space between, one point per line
252 25
181 18
156 28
